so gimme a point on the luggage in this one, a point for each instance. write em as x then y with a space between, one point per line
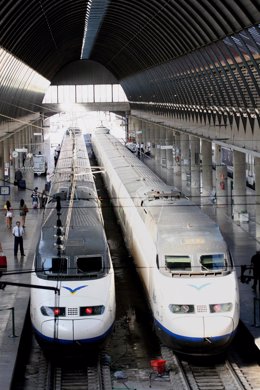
3 262
22 184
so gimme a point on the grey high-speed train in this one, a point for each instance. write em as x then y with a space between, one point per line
76 306
180 254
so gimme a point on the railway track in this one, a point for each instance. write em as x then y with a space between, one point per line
227 375
87 377
71 374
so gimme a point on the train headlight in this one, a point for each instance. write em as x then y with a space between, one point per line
181 309
53 311
221 307
91 310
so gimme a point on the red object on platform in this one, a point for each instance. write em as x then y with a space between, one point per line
158 365
3 262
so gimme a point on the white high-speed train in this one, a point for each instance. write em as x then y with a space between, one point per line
73 257
179 252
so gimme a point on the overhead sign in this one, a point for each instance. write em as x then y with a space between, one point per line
21 150
4 190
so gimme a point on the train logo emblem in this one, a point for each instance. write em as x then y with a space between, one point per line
199 287
74 290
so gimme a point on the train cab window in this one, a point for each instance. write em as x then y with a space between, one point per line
62 193
59 265
90 264
213 262
178 263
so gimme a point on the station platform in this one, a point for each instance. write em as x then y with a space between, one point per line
14 299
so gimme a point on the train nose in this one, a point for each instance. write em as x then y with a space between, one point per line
206 327
72 330
219 326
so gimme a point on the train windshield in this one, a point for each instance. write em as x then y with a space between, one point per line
213 262
90 264
73 267
178 263
56 265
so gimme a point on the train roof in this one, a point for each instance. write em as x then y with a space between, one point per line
170 211
73 204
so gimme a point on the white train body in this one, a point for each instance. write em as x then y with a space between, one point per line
75 259
179 253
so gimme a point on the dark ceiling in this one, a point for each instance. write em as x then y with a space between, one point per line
126 36
165 51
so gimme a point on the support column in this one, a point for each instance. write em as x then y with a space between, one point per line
153 141
20 145
148 141
257 201
162 146
239 185
169 157
177 160
145 135
221 181
169 143
15 146
2 161
6 159
206 151
195 162
157 146
185 158
221 185
12 160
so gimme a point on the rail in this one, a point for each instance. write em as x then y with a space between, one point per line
256 312
13 321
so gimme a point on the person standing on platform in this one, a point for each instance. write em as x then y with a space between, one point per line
18 177
43 199
18 232
24 158
23 212
255 262
8 214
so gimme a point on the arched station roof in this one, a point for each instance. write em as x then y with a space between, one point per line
175 54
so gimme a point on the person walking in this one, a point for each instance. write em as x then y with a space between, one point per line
56 156
58 148
18 232
23 212
255 262
43 199
8 214
48 181
35 198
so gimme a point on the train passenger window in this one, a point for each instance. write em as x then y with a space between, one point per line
213 262
178 263
59 265
90 264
